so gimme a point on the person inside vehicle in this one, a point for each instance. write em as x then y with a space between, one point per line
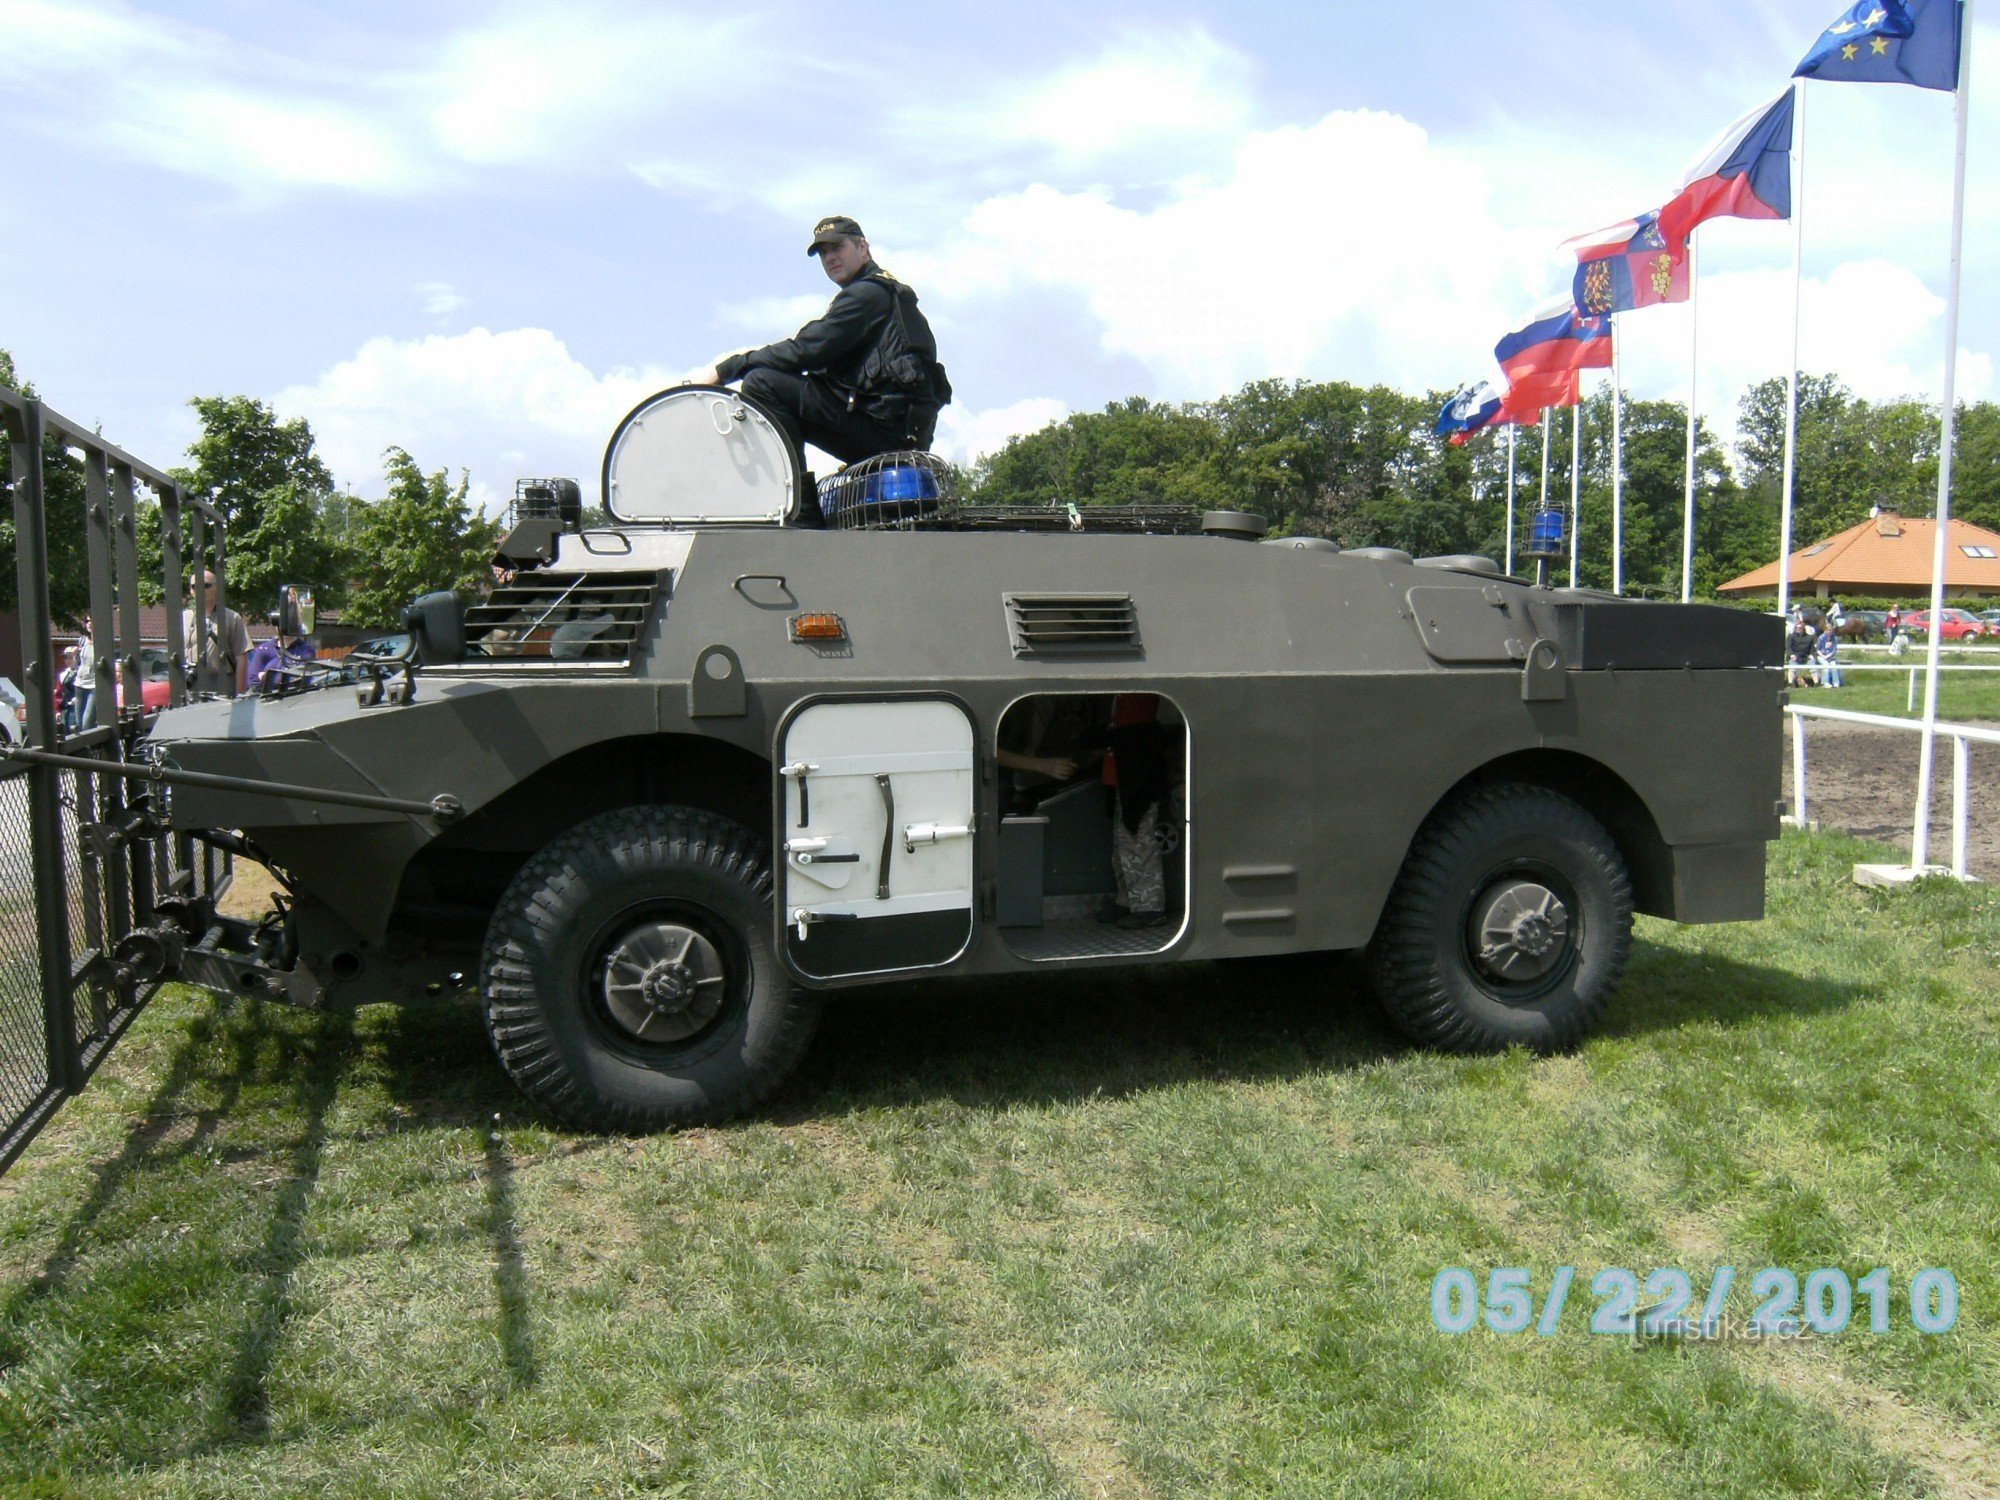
860 381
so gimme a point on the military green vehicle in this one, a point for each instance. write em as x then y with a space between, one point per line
677 777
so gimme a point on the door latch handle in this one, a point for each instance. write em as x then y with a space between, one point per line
931 833
802 919
801 769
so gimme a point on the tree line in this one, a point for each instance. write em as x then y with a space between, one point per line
1361 465
285 521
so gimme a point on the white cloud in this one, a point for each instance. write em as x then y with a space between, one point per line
503 405
1354 247
1147 91
1873 324
440 299
966 436
541 87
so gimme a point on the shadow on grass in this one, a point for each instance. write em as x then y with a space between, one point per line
1066 1035
142 1149
245 1408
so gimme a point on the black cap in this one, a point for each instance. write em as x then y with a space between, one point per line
832 230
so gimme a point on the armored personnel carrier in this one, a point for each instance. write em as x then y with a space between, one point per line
677 777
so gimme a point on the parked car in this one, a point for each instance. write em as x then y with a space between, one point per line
1991 617
13 713
1958 625
156 670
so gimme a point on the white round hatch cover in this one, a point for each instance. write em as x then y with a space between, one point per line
700 453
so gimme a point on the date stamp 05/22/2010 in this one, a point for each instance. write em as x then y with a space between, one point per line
1784 1305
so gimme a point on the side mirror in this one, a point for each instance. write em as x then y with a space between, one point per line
436 623
296 615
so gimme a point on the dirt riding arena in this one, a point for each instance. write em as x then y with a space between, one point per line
1863 780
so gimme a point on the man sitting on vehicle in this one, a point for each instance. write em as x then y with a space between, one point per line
862 380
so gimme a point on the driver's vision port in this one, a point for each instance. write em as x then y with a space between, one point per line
1093 824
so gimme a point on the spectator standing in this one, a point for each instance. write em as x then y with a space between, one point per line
221 652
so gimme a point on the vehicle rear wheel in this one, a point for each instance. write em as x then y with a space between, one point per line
1509 924
630 979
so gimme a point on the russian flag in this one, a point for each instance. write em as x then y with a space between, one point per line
1542 359
1471 409
1746 174
1631 264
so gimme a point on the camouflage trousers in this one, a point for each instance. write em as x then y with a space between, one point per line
1137 864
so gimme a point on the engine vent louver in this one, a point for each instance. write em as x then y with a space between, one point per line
562 617
1072 624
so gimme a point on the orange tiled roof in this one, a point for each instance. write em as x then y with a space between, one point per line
1887 552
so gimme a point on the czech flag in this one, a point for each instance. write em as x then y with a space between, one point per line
1542 359
1890 41
1746 174
1628 265
1466 413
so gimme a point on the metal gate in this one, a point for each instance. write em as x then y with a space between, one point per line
95 893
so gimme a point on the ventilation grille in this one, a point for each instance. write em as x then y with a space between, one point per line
562 617
1072 624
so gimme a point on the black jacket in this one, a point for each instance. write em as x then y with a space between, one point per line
872 343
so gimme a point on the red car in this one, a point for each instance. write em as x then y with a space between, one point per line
1959 625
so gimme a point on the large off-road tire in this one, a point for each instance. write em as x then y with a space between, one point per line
1509 924
630 978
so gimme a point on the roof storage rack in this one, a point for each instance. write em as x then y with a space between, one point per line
1164 520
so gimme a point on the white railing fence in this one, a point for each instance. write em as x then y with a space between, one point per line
1962 736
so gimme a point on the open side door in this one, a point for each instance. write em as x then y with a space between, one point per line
877 836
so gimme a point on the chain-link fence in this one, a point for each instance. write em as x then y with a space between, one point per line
24 1049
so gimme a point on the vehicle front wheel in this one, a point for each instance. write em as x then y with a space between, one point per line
630 979
1509 924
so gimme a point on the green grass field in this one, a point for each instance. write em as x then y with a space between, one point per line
1162 1234
1961 695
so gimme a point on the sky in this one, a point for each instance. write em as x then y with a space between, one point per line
484 232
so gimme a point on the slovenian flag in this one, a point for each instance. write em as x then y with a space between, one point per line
1628 265
1541 360
1466 413
1890 41
1746 174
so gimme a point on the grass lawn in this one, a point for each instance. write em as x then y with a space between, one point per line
1961 695
1159 1234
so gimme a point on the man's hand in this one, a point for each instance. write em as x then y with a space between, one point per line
701 375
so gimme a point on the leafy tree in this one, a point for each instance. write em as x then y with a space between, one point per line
421 536
1133 452
245 453
62 521
1852 455
1975 474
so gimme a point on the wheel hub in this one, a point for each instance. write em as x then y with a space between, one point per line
1518 931
662 982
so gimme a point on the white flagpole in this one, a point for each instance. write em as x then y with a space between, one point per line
1545 458
1575 481
1920 836
1687 509
1792 387
1510 500
1617 472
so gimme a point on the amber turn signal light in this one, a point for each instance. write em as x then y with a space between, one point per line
818 628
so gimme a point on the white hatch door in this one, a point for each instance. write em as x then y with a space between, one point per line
877 842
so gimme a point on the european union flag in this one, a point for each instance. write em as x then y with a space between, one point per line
1889 41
